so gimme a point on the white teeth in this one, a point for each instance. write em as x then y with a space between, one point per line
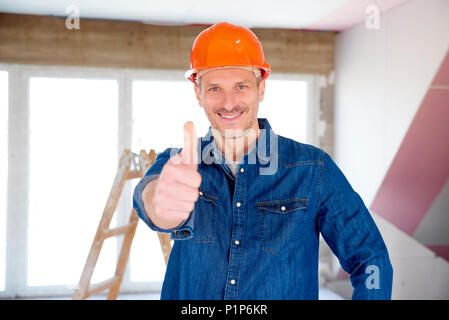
230 117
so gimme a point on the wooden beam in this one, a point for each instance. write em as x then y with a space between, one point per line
102 286
298 51
45 40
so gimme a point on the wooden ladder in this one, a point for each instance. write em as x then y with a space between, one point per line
131 166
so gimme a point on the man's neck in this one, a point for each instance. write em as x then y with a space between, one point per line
234 148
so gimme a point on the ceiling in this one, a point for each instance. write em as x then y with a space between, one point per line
329 15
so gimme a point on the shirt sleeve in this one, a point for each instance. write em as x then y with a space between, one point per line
352 235
180 232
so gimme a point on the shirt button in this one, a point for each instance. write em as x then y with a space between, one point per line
242 170
238 204
237 242
201 193
232 281
282 208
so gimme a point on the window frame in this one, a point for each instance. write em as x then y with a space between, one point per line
18 160
313 95
5 182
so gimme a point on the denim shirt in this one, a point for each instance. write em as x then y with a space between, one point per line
256 235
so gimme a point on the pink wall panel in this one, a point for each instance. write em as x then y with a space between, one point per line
421 165
441 250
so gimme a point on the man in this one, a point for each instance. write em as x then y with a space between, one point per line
246 206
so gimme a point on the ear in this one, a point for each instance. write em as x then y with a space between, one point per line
198 95
261 90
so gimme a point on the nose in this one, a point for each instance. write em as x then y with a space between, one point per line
229 101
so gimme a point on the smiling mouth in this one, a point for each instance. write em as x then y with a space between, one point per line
230 116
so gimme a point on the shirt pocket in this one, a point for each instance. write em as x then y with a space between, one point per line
204 220
280 223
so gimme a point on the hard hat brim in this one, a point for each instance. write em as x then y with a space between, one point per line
191 74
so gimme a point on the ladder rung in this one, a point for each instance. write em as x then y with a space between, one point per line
134 174
117 231
100 287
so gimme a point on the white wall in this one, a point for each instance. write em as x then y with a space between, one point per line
417 272
381 77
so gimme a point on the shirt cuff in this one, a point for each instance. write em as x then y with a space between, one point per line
181 232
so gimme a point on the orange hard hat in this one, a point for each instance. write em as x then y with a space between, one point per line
225 44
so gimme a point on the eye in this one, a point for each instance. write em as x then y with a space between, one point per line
241 86
213 89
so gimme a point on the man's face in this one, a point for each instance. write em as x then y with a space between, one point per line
231 98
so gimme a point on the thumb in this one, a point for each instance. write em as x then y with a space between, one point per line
190 152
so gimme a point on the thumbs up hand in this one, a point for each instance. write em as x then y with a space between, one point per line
173 198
